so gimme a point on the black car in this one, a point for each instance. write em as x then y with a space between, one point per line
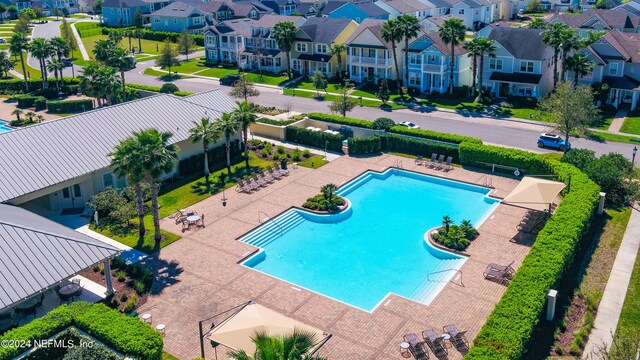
230 80
67 62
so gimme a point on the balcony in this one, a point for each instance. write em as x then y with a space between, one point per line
370 61
434 68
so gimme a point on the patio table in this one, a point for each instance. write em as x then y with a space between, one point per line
193 219
69 289
5 324
27 304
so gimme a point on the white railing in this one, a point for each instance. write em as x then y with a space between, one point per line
437 68
369 60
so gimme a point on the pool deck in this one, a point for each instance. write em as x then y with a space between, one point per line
198 276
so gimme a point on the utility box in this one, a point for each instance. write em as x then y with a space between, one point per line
552 295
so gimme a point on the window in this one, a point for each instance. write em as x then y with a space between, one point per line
415 59
461 12
433 59
321 48
613 69
525 90
526 66
157 20
107 180
76 191
175 21
414 79
295 64
212 54
210 40
65 193
495 64
278 61
301 47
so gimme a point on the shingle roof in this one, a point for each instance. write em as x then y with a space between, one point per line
46 154
373 25
36 253
324 30
332 5
238 26
371 9
445 49
522 43
439 3
627 44
177 9
407 6
268 21
243 8
123 3
613 18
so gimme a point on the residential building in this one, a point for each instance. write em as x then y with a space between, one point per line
476 13
433 23
356 11
599 20
589 4
522 64
430 64
22 4
158 4
178 16
616 58
369 57
632 6
58 165
313 43
120 13
248 9
224 42
86 6
560 5
282 7
395 8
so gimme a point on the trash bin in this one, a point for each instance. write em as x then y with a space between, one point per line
283 163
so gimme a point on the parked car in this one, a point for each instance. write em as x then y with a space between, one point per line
67 62
553 141
230 80
409 125
3 41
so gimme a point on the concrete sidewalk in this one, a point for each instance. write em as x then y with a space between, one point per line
614 294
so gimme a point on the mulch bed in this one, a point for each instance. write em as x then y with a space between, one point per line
119 287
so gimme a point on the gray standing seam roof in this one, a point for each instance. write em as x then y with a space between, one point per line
46 154
36 253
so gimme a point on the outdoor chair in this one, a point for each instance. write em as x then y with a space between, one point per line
242 187
458 338
435 343
440 163
253 184
185 225
416 347
505 268
273 173
432 161
280 170
419 160
200 223
75 281
501 277
267 178
260 182
447 166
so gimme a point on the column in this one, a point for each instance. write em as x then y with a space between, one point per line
376 58
107 277
634 100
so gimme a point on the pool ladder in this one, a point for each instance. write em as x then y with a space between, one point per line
397 164
487 182
269 218
441 271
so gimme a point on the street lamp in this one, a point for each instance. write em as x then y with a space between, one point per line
633 157
224 199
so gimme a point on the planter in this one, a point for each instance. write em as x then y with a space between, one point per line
429 239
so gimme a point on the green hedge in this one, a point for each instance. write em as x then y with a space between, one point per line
69 106
17 85
407 145
217 155
510 327
434 135
182 93
144 87
127 335
336 119
158 35
27 101
365 145
313 138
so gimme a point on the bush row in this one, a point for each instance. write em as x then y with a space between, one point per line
216 155
510 327
123 334
158 35
17 85
365 145
69 106
27 101
313 138
434 135
336 119
401 144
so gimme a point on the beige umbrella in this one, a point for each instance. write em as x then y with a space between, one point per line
534 193
237 331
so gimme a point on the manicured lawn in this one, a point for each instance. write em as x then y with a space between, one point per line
632 123
328 98
191 66
218 72
162 74
464 104
314 162
79 16
33 73
148 46
331 87
146 245
266 79
602 136
167 356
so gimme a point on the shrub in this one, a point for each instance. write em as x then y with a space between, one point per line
131 304
139 286
313 138
69 106
182 93
217 155
383 124
264 153
17 85
365 145
27 101
412 146
337 119
280 149
123 297
297 155
40 103
579 157
306 153
319 203
434 135
473 153
144 87
612 172
121 275
169 88
276 122
456 237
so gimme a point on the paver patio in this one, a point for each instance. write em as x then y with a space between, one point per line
199 276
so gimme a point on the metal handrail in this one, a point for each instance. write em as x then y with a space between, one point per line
441 271
269 218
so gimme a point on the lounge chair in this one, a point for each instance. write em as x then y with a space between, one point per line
266 177
440 163
435 343
255 185
416 347
242 187
458 338
506 268
258 181
280 170
447 166
498 276
419 160
432 162
273 173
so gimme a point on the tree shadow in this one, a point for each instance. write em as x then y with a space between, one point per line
165 273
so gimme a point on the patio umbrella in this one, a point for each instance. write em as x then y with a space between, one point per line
236 332
534 193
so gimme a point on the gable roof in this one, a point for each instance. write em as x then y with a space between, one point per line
176 9
236 26
243 8
627 44
324 30
123 4
268 21
611 18
407 6
373 25
333 5
419 44
36 253
55 151
371 9
522 43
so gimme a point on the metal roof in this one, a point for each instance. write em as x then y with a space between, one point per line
39 156
36 253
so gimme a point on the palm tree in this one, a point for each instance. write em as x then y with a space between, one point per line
17 112
295 346
245 115
17 45
129 33
30 115
580 65
452 32
592 37
537 23
485 47
284 34
40 118
552 36
56 67
126 160
474 53
5 63
337 50
570 41
446 222
158 158
328 191
60 47
206 131
118 59
228 126
115 36
41 49
103 49
390 32
139 33
409 28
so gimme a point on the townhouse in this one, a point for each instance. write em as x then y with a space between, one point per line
312 49
429 64
120 13
395 8
616 59
369 57
632 6
356 11
599 20
260 50
224 42
282 7
178 16
522 64
476 13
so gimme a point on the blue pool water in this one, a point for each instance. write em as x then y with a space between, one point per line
377 246
3 127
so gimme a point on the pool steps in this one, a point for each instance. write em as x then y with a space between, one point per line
273 228
426 288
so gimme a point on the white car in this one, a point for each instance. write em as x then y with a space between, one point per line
410 125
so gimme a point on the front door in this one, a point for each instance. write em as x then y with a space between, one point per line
306 67
71 197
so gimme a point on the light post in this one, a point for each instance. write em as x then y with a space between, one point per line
224 199
633 156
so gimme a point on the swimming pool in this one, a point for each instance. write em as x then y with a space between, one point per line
4 127
376 246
